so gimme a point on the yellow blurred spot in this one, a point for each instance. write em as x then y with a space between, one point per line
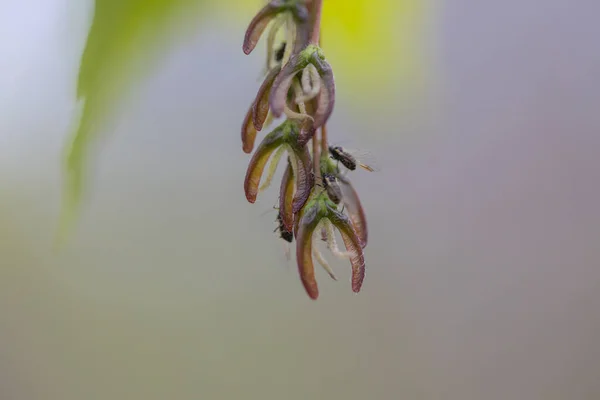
371 44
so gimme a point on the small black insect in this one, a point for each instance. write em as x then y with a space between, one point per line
283 233
339 154
351 158
280 52
332 187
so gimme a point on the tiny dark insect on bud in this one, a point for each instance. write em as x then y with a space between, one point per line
332 187
353 158
283 232
339 154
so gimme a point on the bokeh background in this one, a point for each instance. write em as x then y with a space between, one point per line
483 277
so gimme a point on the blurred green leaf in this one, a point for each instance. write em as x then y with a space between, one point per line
122 44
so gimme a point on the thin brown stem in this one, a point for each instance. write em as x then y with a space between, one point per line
317 10
316 156
324 144
319 39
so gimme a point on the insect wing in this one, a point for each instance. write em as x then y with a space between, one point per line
365 159
333 188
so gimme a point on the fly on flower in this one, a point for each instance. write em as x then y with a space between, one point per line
339 189
353 158
284 234
332 187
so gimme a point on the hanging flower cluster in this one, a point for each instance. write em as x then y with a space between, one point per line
315 196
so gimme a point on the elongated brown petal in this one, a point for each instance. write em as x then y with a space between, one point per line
354 210
260 107
353 245
286 195
257 164
281 86
326 98
259 23
305 179
357 260
248 133
306 268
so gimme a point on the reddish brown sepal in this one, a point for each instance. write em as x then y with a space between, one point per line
326 97
260 107
305 179
353 244
259 160
259 23
354 209
286 196
282 84
306 269
248 133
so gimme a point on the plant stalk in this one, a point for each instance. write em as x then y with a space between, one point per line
316 156
324 144
317 10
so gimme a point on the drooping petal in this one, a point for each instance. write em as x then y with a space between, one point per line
357 261
260 107
305 179
304 244
353 245
281 86
354 209
286 196
326 97
259 23
302 33
260 158
248 133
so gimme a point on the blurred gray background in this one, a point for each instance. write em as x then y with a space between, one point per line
483 277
